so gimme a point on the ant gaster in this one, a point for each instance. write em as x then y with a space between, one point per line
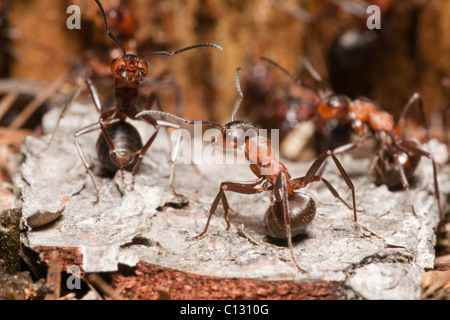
119 145
396 156
290 212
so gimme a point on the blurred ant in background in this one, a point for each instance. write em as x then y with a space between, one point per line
352 48
396 157
290 212
273 105
347 59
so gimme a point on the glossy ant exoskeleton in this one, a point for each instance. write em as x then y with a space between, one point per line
290 212
119 146
396 156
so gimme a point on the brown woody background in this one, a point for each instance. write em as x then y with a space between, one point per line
409 54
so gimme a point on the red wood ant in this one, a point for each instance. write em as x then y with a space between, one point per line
290 212
119 146
397 157
270 104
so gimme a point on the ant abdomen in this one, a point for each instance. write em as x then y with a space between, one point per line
385 170
127 142
302 210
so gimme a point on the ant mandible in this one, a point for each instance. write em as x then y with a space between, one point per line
397 157
290 212
119 145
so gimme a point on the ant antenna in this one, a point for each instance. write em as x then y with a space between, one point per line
169 115
241 95
172 53
290 75
102 11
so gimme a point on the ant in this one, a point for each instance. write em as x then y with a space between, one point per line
119 145
396 157
270 104
290 212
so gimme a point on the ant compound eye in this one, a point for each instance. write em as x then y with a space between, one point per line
143 69
144 66
333 107
115 65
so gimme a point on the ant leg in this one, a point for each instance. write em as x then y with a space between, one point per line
311 173
281 195
307 66
61 115
159 82
153 99
94 95
31 108
347 147
409 147
7 101
147 145
90 128
105 119
327 184
350 146
173 158
239 187
401 121
445 124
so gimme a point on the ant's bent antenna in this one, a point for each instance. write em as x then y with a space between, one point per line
241 95
290 75
172 53
102 11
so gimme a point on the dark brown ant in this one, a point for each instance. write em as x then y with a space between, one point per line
290 212
396 156
270 104
119 145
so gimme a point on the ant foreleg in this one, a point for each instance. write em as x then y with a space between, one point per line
159 83
76 93
173 159
105 119
61 115
88 129
311 173
94 94
281 195
239 187
401 121
409 147
327 184
140 153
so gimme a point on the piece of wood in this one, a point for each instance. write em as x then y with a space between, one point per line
148 228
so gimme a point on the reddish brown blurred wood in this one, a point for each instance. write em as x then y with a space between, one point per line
145 281
408 56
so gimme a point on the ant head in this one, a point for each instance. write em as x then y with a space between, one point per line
333 107
235 134
129 67
132 68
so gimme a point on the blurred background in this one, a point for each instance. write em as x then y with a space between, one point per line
408 54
